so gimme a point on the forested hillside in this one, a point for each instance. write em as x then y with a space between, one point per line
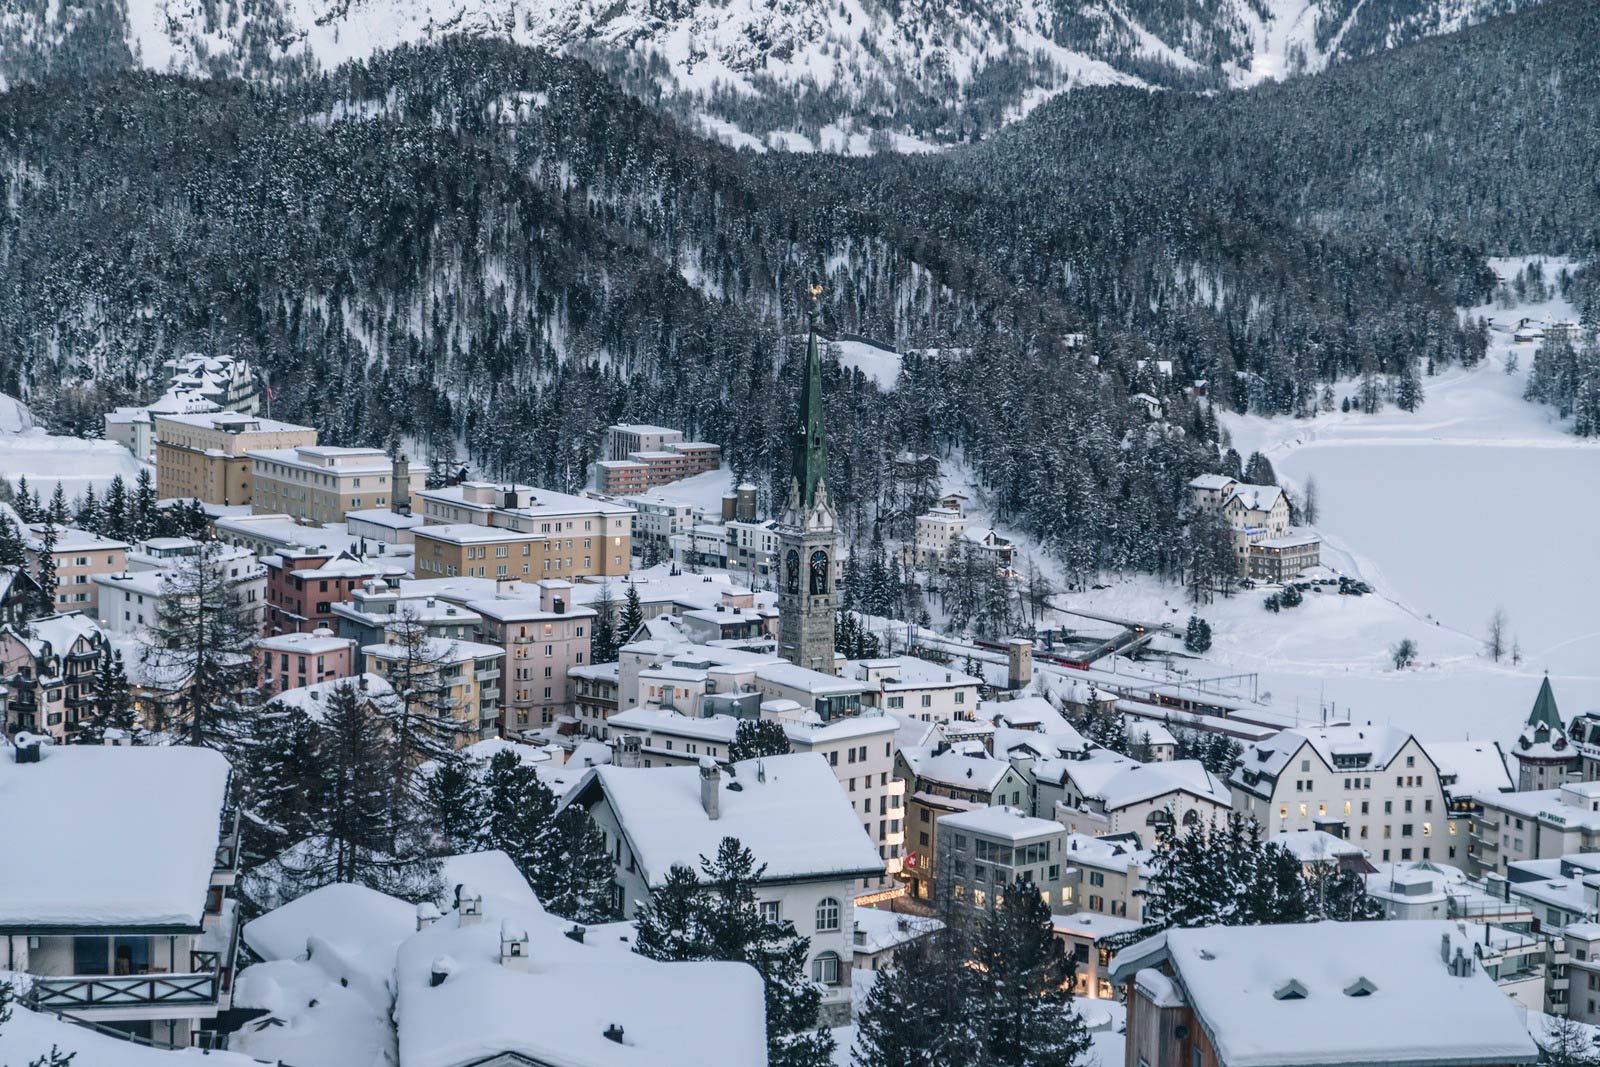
482 243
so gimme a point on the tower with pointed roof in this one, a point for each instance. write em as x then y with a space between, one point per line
1546 757
808 530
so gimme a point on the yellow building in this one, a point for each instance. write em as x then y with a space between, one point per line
203 456
468 681
570 537
317 484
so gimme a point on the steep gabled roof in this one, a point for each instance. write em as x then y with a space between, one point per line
1544 708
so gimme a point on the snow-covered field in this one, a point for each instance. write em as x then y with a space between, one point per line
45 459
879 364
1480 500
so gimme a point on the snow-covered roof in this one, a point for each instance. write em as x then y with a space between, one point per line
790 676
1256 497
908 672
1001 821
1341 746
721 728
1479 767
30 1036
1036 712
1315 846
1119 785
60 632
69 539
559 1008
877 931
1108 852
956 768
1292 539
1211 481
1092 924
352 918
445 649
313 699
789 811
150 816
1338 993
317 642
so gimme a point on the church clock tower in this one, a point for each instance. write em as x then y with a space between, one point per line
807 531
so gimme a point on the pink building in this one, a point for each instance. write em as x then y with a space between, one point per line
543 641
290 661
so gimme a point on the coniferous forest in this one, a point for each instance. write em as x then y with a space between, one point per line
495 252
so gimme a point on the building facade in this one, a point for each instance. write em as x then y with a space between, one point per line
317 484
204 456
78 557
543 641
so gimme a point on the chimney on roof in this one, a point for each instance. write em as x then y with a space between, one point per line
625 751
427 914
614 1033
576 933
29 751
513 947
469 906
710 788
400 484
442 966
116 738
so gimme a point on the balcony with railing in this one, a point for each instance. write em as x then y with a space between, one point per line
200 991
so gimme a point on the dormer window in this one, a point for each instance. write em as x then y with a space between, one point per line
1290 990
1361 987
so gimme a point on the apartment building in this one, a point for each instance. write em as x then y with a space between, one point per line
917 688
303 585
983 852
47 673
940 780
205 455
1108 796
574 528
472 551
464 676
1375 785
148 948
376 606
317 484
640 456
195 383
1538 824
544 641
1257 515
78 556
132 600
295 660
657 521
595 691
939 532
1112 874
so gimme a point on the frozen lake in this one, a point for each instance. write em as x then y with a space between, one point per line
1454 530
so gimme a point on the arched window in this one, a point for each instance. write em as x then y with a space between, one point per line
1162 817
825 969
827 915
1191 817
791 571
821 578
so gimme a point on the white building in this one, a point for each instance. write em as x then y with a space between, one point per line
1375 785
132 600
983 852
1104 796
918 688
787 810
115 894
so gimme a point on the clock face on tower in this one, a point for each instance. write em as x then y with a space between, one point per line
791 572
819 573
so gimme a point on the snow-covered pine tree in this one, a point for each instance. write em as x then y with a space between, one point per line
1021 985
1197 637
283 779
142 509
45 572
919 1012
454 802
114 510
12 551
58 512
717 917
354 818
1342 896
672 923
632 616
603 643
420 713
113 704
579 885
520 819
200 645
756 738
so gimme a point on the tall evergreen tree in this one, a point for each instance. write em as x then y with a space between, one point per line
200 647
13 552
354 819
113 703
421 716
921 1011
284 780
58 512
579 883
520 820
114 511
718 917
1021 985
632 616
142 517
603 644
44 571
455 803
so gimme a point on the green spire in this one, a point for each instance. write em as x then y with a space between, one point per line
1544 708
811 437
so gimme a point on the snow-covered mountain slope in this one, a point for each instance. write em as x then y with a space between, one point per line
941 70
